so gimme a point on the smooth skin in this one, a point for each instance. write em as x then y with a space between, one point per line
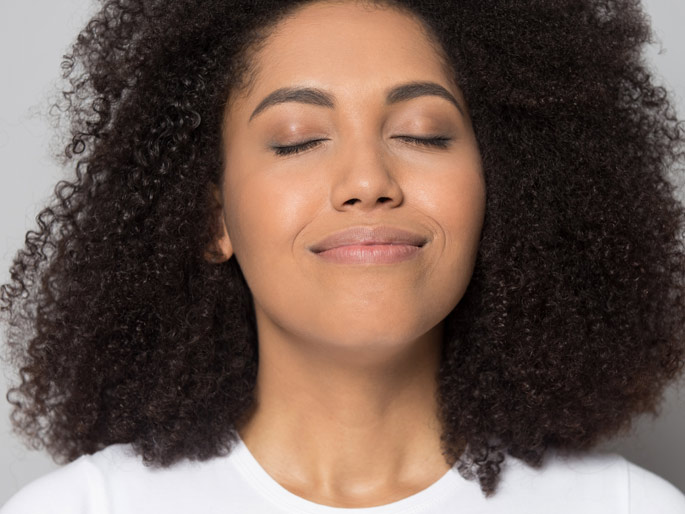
346 411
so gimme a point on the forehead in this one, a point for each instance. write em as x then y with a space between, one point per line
346 45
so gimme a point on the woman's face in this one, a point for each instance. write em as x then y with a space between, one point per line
361 169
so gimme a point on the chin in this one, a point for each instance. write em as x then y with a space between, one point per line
373 331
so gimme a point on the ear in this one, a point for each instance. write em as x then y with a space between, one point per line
221 249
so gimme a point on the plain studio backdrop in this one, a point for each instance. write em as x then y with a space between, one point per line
34 34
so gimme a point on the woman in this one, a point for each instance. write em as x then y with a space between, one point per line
276 284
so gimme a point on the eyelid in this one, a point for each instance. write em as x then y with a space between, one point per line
440 142
422 138
295 148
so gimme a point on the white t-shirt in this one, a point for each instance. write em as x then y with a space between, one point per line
115 481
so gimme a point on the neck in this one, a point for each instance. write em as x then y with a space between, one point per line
347 426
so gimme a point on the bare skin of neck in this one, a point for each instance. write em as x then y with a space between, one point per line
344 427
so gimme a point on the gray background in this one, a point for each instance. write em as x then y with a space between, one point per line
33 36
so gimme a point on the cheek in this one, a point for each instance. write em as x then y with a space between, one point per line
464 214
455 201
454 197
267 212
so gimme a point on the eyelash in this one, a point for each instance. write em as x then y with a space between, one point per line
438 142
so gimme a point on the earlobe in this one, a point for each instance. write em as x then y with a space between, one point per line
224 243
221 250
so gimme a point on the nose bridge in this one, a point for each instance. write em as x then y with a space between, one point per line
365 176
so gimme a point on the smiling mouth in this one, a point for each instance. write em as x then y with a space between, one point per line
373 253
370 236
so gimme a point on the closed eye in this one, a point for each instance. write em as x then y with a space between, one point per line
293 149
437 142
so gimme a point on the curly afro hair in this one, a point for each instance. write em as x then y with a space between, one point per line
122 331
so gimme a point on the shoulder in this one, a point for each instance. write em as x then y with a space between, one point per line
651 493
116 480
593 482
75 488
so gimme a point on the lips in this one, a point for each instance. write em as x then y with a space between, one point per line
366 235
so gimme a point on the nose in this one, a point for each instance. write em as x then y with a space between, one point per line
364 179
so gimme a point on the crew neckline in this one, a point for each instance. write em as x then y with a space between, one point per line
418 502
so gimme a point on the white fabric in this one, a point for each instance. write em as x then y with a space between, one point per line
114 481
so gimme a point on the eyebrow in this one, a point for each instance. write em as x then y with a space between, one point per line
314 96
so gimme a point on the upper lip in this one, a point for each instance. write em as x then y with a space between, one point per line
368 235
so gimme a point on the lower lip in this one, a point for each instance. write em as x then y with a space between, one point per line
370 254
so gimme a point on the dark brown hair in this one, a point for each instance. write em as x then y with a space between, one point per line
574 318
